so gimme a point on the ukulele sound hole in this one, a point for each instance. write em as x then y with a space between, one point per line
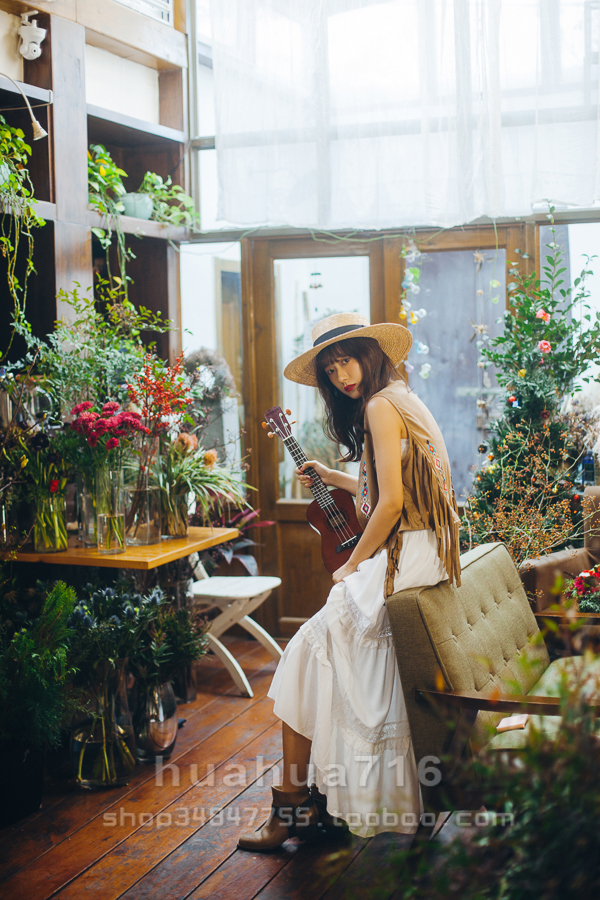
336 519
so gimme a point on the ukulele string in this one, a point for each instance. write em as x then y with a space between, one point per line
319 490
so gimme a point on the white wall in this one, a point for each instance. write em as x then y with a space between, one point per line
11 61
121 85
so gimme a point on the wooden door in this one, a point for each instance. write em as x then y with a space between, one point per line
292 549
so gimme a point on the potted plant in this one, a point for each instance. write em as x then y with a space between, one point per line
188 471
35 699
169 202
106 192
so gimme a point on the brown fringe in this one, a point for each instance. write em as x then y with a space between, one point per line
437 510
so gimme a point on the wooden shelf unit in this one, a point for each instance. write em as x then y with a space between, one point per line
55 85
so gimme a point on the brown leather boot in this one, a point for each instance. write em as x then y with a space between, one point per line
331 824
294 814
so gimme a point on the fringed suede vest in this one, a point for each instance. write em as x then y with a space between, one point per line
429 500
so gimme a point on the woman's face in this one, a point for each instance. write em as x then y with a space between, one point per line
345 374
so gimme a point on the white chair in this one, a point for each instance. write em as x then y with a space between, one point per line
237 597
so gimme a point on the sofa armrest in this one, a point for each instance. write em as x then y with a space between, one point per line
512 704
539 575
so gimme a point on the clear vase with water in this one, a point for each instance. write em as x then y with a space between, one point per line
110 510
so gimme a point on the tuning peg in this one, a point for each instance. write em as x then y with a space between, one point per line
264 425
293 423
288 412
270 434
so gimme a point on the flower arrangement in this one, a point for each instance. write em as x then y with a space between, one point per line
586 590
187 470
109 430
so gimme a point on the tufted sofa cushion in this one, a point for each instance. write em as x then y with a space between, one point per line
480 636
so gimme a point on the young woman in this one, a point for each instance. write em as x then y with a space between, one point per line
337 688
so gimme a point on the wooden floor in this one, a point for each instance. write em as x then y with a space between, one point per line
153 841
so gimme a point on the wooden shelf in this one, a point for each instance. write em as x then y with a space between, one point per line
148 557
32 93
105 125
142 227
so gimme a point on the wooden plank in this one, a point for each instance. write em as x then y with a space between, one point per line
30 91
72 262
212 843
514 704
82 808
370 871
148 557
63 8
312 870
393 274
130 123
214 684
244 874
170 99
183 810
69 120
126 29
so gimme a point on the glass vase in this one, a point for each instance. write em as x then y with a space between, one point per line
143 520
86 510
110 510
175 512
50 523
156 722
103 745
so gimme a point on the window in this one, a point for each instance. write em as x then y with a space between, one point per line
156 9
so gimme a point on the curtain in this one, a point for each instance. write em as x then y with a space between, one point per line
362 114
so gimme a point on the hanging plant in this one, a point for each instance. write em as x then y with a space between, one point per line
17 218
105 186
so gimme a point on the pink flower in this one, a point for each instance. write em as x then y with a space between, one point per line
112 443
110 408
542 314
545 346
81 407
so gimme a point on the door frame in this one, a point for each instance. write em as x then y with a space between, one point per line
386 273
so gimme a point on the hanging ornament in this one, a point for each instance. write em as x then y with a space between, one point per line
425 370
421 348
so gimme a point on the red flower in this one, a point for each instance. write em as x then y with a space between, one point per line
53 486
110 408
92 439
112 443
81 407
545 346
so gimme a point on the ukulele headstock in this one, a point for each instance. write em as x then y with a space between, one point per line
276 420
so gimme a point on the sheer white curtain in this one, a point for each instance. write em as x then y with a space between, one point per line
355 113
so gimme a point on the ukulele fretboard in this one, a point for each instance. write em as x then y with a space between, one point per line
318 488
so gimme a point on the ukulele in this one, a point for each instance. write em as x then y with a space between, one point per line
332 513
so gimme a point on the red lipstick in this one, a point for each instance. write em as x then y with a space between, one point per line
349 388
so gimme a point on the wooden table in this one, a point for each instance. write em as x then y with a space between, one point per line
146 557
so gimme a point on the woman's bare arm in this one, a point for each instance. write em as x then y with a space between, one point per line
331 477
387 430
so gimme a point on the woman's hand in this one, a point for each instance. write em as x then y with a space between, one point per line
320 469
345 570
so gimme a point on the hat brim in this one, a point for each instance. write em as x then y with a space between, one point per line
394 340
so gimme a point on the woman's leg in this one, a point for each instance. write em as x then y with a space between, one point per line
296 757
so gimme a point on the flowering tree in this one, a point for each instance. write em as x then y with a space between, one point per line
525 493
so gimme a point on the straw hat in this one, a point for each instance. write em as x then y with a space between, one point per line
394 340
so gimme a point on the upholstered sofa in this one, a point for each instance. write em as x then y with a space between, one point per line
477 648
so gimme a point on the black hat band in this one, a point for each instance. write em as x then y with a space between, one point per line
335 332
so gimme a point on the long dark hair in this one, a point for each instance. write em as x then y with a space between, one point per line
344 417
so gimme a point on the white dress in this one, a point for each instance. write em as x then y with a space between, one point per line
337 684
